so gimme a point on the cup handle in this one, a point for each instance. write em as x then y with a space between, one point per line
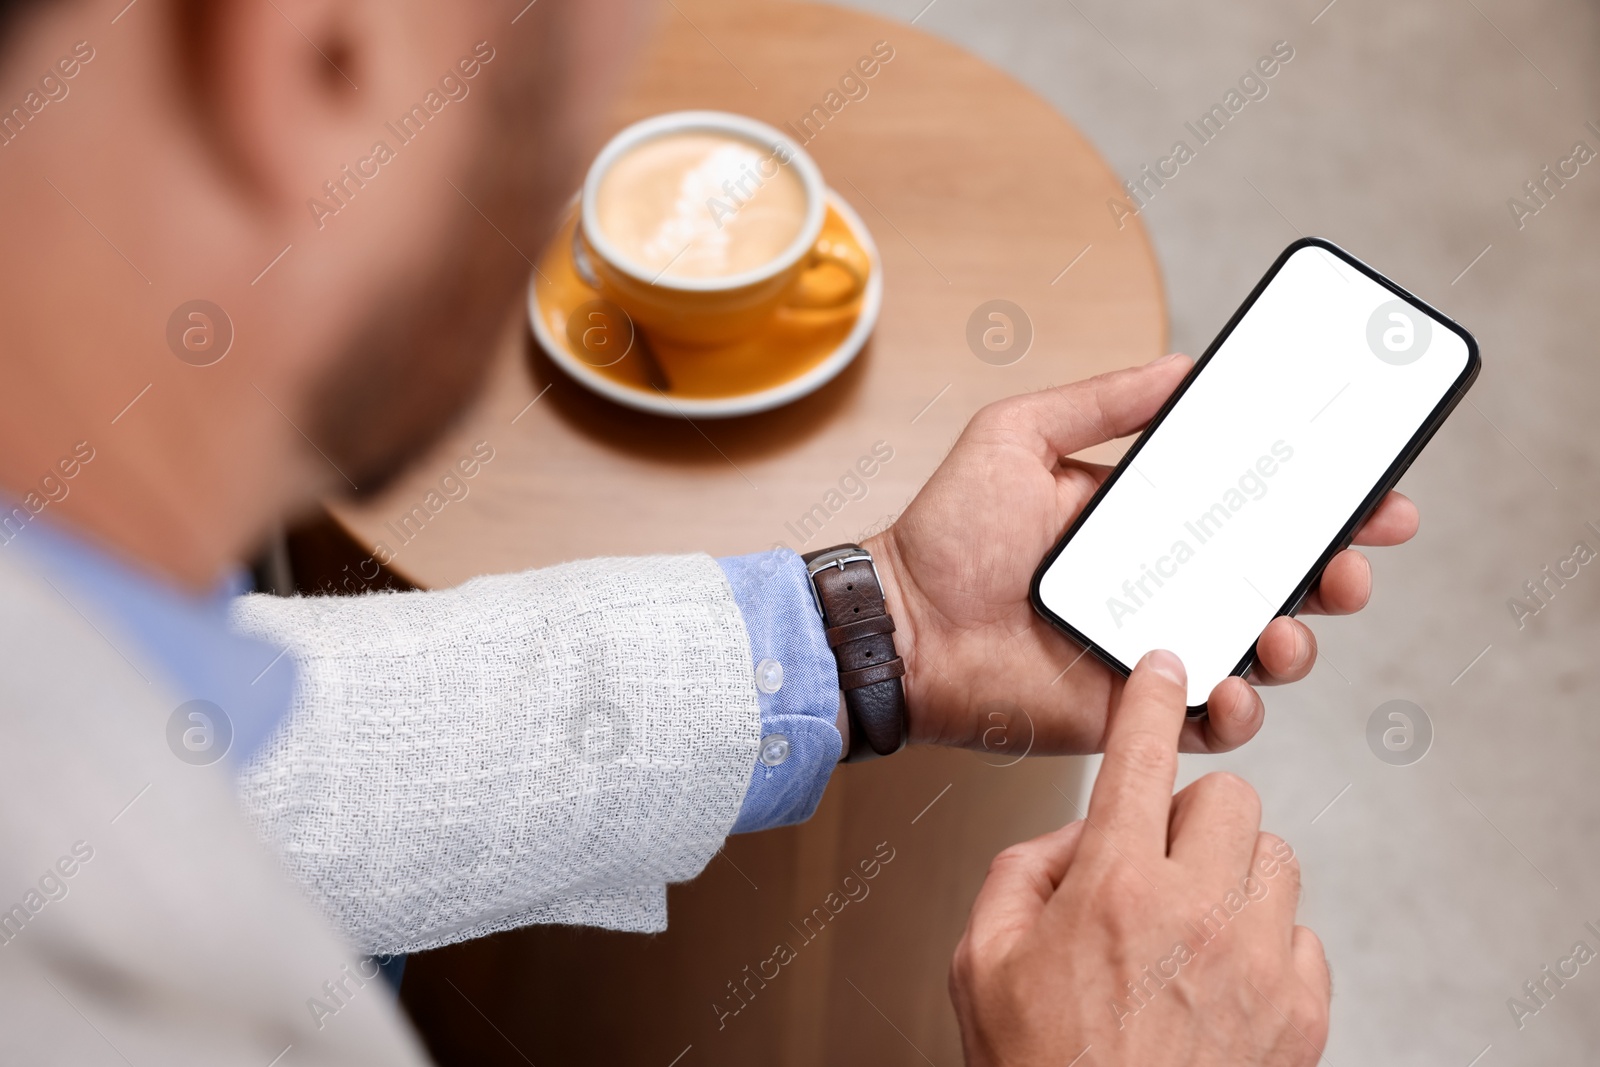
844 255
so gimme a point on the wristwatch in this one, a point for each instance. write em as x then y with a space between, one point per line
849 596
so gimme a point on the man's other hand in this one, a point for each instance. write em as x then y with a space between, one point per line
1157 932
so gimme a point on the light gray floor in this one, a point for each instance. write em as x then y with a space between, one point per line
1400 129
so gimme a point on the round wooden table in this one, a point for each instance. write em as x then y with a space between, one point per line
976 190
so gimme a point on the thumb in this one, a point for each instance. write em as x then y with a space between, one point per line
1021 880
1070 418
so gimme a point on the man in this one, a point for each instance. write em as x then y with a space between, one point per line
553 746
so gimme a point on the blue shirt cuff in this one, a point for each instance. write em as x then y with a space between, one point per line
789 655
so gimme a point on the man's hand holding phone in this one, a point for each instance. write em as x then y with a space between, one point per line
957 564
1157 932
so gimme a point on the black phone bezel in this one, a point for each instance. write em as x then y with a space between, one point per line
1341 541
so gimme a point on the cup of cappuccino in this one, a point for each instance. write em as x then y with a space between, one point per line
703 225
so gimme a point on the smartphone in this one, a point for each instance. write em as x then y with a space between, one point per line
1306 409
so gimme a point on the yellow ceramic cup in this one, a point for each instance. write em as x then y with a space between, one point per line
716 310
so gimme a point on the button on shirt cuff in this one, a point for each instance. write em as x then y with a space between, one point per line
796 679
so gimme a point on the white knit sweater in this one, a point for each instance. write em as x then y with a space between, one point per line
141 921
549 746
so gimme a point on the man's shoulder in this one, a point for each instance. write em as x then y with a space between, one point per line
129 879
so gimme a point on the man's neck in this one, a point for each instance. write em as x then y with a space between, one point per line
85 505
130 486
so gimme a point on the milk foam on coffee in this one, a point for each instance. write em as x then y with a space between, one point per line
700 205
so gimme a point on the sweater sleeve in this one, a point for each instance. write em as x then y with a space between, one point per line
550 746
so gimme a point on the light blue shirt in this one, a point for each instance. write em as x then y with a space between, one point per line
191 642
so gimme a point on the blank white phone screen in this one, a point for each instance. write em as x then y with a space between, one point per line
1253 473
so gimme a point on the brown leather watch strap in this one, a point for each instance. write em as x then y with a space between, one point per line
850 631
878 672
859 629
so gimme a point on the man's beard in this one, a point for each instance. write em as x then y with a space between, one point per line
413 365
421 356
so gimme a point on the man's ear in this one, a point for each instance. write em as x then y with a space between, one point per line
275 86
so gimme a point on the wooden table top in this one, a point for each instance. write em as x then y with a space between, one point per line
975 190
